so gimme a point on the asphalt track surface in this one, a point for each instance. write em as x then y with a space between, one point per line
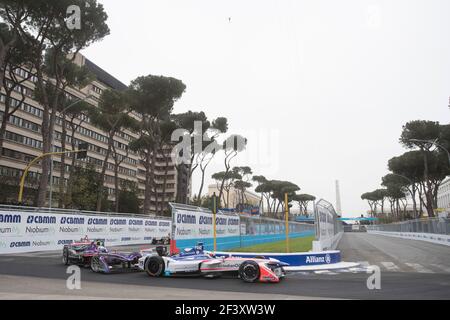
409 270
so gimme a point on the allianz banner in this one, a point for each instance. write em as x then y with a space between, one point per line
194 224
34 231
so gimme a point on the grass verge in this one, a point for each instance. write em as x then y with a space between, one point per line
301 244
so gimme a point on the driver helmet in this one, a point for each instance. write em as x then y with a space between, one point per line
102 249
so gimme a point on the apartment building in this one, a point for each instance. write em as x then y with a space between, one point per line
443 196
23 140
234 196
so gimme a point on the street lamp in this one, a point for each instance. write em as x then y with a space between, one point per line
52 146
434 142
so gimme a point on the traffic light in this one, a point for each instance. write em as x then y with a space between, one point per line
83 148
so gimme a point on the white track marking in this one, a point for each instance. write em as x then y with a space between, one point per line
390 266
364 263
419 267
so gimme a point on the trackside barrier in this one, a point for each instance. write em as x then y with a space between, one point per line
239 241
329 229
436 230
429 237
294 259
193 224
25 229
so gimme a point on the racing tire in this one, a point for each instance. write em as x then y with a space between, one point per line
65 257
249 271
155 266
96 265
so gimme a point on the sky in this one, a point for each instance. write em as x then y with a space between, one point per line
320 88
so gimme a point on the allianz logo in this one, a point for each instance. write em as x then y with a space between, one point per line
319 259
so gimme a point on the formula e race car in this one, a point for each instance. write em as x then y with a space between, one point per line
197 262
162 240
80 253
105 261
94 254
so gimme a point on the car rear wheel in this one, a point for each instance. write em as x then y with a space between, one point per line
155 266
65 257
249 271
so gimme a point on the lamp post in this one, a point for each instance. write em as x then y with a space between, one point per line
286 217
433 142
214 221
25 172
52 147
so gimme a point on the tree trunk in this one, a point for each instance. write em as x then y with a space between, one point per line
48 123
68 196
148 185
116 185
413 196
155 184
103 173
166 169
3 125
43 180
428 191
4 48
62 167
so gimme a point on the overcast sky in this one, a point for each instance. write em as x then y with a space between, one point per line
320 88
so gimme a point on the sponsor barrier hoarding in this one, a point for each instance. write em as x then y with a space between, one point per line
294 259
35 231
194 224
329 228
190 224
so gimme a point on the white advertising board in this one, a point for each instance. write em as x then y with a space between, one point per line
194 224
34 231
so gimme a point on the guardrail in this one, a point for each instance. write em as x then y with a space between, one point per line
75 211
430 225
436 230
329 229
28 229
193 224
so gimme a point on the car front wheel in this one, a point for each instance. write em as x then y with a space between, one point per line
155 266
249 271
